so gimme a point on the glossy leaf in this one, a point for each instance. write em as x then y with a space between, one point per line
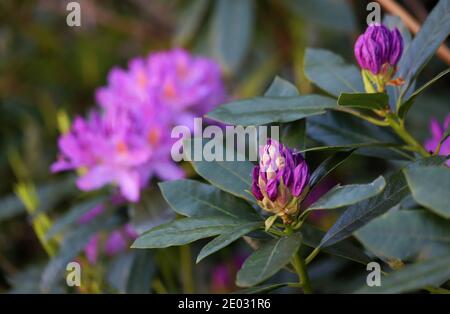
281 88
406 234
345 249
338 129
268 260
359 214
345 195
226 238
372 101
433 32
330 72
413 277
195 199
404 107
264 110
430 187
327 166
183 231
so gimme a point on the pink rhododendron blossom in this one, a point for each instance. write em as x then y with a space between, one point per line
437 132
128 142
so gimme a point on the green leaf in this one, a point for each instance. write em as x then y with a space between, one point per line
406 234
268 260
433 32
373 101
72 216
404 107
226 238
281 88
340 129
231 32
345 249
269 222
430 187
183 231
190 21
325 13
132 272
340 196
262 289
327 166
359 214
330 72
233 177
195 199
413 277
264 110
293 134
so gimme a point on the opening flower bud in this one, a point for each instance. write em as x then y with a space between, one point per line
280 181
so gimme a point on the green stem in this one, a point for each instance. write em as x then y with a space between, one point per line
399 128
300 268
363 116
312 255
186 269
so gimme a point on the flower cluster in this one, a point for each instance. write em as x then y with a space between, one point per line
127 141
437 133
280 181
378 51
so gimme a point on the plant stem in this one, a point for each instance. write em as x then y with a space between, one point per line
186 269
399 128
363 116
312 255
300 268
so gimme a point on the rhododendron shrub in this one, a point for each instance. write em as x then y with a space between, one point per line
354 171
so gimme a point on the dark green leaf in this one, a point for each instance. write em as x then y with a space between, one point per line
430 36
264 110
230 176
195 199
340 129
364 100
413 277
330 72
404 107
406 234
281 88
183 231
268 260
345 195
227 238
328 166
430 187
359 214
231 32
345 249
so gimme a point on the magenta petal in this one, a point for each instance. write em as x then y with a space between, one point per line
272 189
301 178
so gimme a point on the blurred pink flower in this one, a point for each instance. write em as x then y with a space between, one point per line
437 133
128 142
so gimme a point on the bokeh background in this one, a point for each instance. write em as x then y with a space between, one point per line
49 71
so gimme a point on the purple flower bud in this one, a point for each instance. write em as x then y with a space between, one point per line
437 132
378 47
281 179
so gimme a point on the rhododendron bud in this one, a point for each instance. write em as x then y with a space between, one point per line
280 182
378 51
